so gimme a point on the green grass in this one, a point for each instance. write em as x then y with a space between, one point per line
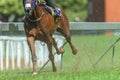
90 48
89 75
78 67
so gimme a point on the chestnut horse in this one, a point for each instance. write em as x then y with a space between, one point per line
40 25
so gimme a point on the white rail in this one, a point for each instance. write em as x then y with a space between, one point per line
15 53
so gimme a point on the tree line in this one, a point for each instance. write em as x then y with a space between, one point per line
12 10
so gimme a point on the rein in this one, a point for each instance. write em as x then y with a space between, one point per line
38 19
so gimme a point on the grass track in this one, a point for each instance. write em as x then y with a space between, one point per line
89 75
78 67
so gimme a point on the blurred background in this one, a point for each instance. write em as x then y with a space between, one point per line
12 10
76 10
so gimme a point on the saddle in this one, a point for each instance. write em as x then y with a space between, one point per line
51 10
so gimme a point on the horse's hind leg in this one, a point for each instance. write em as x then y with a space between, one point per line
63 28
51 56
66 34
74 49
31 43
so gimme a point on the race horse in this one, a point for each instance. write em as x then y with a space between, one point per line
40 25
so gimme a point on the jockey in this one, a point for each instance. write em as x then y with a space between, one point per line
49 3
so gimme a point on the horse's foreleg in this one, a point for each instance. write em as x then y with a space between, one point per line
59 50
31 43
51 57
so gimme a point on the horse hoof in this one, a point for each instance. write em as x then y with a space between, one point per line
60 51
34 73
75 51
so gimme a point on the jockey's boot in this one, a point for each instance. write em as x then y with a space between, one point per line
57 12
